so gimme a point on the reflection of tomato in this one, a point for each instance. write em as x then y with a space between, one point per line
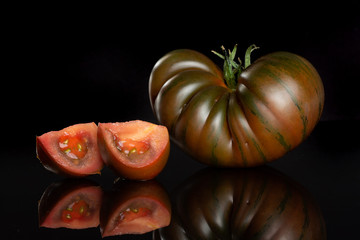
72 151
135 150
77 210
243 204
134 208
270 108
73 203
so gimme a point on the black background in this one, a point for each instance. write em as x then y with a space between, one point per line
66 65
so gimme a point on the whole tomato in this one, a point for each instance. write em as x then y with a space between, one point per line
242 116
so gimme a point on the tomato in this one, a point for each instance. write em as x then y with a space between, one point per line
244 116
250 203
134 207
72 203
135 150
72 151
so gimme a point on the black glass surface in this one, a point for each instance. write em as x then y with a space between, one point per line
75 71
328 170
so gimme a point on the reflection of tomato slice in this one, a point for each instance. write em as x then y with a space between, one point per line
136 149
71 204
134 208
71 151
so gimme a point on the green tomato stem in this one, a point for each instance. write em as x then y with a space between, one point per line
248 53
232 69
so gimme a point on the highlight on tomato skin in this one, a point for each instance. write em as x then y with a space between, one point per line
72 151
71 203
134 207
136 150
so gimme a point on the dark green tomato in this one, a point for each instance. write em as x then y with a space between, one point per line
257 203
276 104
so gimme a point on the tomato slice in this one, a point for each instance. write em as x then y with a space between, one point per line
72 151
135 150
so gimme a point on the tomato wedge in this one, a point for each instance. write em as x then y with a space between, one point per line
134 207
72 203
136 149
72 151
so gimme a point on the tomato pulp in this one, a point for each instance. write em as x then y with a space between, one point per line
135 150
72 151
74 147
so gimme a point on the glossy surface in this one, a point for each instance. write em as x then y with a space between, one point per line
327 169
257 203
276 104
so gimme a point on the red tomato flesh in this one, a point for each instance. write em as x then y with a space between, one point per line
72 151
135 150
130 146
73 146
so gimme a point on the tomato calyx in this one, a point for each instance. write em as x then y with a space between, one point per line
231 68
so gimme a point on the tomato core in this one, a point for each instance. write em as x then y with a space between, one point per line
129 146
75 210
129 214
73 146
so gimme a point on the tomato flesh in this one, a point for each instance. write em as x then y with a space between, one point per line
74 147
76 210
130 146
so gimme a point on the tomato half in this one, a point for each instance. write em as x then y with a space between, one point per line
72 151
134 207
255 203
270 108
136 149
72 203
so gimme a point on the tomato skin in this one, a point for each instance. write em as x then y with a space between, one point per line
250 203
275 106
150 167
